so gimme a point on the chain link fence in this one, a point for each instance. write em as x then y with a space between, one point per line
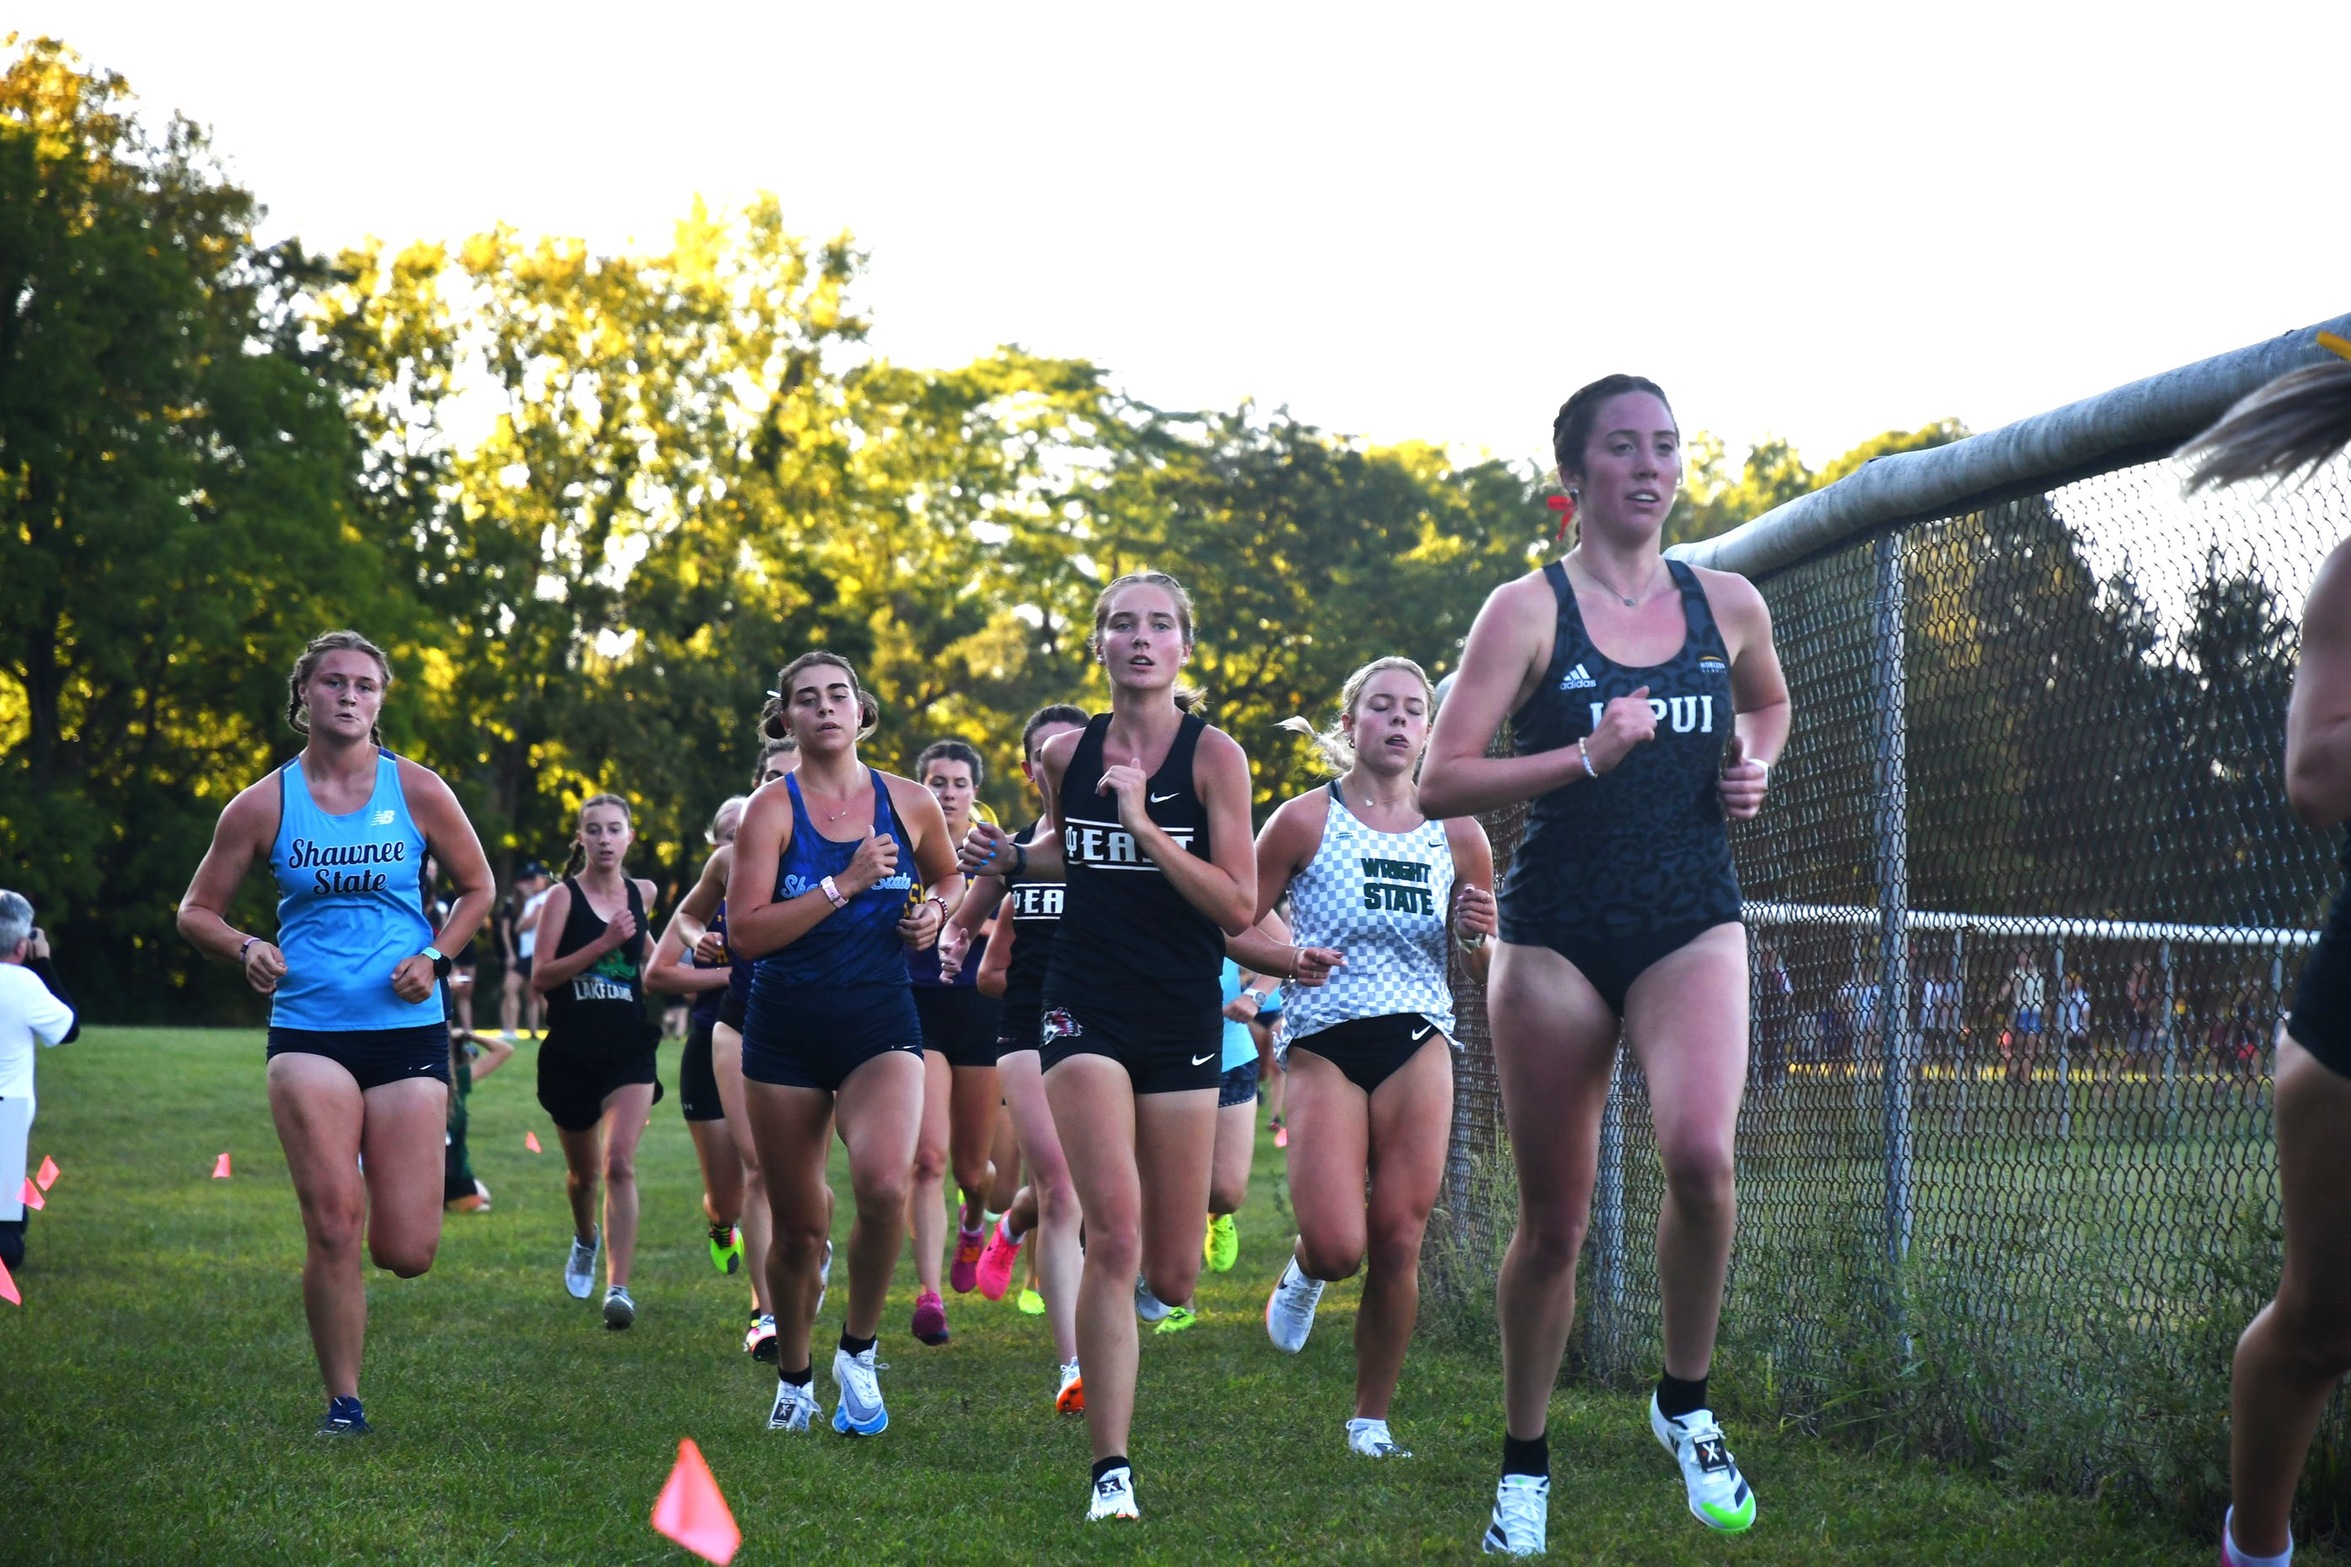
2025 907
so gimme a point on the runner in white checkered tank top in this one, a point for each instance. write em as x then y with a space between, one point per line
1374 886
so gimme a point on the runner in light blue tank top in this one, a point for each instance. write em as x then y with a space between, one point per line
350 908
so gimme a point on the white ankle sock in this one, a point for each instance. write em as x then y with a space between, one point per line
2240 1557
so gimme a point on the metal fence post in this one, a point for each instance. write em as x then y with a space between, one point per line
2062 1016
2171 1050
1893 856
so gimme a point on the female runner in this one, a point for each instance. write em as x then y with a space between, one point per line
1620 672
960 1096
358 1047
596 1065
2296 1352
678 968
818 896
1024 946
1148 811
1374 885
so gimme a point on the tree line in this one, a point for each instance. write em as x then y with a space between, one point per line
590 503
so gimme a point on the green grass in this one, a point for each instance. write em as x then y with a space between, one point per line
157 1395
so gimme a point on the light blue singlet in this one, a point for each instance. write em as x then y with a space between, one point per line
349 908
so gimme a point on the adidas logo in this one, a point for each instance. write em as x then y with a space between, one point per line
1577 679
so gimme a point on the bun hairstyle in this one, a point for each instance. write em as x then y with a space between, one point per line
1335 746
1571 431
1044 717
2289 426
733 802
949 751
768 752
579 851
297 711
775 719
1188 697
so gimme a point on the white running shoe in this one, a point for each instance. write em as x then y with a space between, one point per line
795 1407
1070 1397
1289 1311
1147 1305
579 1269
619 1310
1114 1497
860 1412
1522 1512
1719 1495
1370 1439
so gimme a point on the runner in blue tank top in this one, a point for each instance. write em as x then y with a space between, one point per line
358 1048
1645 702
1148 817
1380 896
818 895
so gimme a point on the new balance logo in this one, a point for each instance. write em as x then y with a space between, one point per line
1577 679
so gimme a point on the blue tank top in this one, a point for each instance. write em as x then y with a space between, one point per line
350 908
1643 847
856 945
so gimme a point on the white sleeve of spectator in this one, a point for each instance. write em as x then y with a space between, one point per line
49 1018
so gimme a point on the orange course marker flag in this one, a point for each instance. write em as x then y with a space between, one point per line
220 1168
691 1511
8 1287
32 1196
48 1175
530 1140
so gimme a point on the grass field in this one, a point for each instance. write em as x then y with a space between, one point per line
157 1395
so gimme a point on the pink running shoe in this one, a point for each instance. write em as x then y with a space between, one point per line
965 1270
1281 1133
930 1318
995 1269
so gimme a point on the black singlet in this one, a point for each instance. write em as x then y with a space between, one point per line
2321 1019
1643 848
601 1009
1035 907
1129 941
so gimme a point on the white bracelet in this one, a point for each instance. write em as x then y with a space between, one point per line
833 891
1583 751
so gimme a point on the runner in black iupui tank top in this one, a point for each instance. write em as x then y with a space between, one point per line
1134 968
1035 908
1615 872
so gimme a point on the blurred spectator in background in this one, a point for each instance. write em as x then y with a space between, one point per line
33 1007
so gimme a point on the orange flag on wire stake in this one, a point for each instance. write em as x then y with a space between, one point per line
530 1140
220 1168
48 1175
8 1287
32 1196
692 1512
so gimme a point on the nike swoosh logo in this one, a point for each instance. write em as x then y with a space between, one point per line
1202 1060
1424 1033
1162 799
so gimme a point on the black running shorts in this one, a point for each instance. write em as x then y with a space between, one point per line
373 1056
573 1084
1163 1054
697 1084
1369 1050
2321 1020
958 1023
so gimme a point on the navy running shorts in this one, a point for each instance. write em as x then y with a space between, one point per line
373 1056
815 1036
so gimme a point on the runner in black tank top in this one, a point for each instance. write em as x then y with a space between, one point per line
1621 672
1150 815
596 1074
1028 920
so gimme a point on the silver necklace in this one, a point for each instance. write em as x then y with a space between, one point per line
1629 602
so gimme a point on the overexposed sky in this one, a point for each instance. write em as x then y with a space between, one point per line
1430 221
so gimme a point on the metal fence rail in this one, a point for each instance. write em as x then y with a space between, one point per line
2025 908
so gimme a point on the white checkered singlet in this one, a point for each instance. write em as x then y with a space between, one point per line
1383 898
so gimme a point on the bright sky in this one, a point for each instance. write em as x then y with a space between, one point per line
1412 221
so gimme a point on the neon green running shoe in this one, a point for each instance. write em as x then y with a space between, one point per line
1222 1246
1032 1304
1177 1319
726 1248
1719 1494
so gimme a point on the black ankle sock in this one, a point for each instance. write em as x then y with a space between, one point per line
722 1233
1527 1456
1103 1466
855 1346
1676 1398
800 1378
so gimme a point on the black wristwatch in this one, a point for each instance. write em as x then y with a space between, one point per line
442 962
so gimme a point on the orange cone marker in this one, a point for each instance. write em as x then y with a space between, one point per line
530 1140
692 1512
8 1287
48 1175
220 1168
32 1196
